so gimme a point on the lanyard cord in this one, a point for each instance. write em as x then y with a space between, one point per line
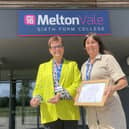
58 71
88 69
56 77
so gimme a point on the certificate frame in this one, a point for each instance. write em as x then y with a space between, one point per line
91 93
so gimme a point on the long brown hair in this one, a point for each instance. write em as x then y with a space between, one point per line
98 39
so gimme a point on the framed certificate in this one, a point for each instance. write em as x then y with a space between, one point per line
92 93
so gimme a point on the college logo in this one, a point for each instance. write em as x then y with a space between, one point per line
30 19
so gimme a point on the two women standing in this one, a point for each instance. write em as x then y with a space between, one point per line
58 79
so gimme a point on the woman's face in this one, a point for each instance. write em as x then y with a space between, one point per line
56 49
92 47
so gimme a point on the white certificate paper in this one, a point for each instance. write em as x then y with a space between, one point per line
91 93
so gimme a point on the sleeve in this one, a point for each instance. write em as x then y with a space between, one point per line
37 89
83 71
75 82
114 68
65 94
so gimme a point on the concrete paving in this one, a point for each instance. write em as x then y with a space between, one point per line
29 123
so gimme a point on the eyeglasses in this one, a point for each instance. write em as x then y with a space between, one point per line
58 46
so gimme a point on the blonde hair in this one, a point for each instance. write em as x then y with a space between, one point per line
54 38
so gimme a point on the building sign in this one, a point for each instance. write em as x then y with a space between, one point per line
62 22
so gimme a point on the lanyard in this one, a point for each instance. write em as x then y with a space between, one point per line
58 71
88 69
56 76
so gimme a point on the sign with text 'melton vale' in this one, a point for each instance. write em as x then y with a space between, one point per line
62 22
